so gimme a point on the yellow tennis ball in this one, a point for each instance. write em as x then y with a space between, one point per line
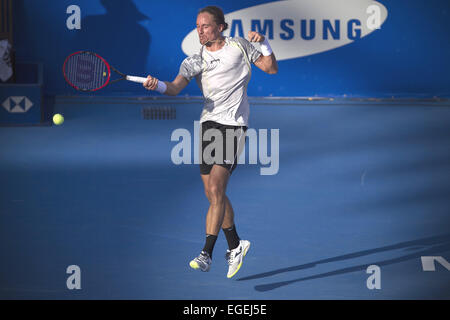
58 119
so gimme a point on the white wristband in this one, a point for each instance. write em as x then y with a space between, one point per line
161 87
266 50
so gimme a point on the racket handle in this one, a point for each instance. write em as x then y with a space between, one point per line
136 79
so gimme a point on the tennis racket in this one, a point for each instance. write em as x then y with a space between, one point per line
87 71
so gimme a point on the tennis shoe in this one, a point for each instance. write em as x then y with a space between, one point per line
202 262
236 256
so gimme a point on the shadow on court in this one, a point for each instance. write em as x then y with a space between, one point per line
425 246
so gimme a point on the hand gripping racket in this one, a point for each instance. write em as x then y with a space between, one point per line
87 71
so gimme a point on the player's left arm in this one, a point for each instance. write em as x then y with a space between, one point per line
266 62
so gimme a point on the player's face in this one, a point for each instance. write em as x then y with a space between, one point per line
207 28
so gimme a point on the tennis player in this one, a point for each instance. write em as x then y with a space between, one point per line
222 69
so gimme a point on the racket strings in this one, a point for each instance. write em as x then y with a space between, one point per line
86 71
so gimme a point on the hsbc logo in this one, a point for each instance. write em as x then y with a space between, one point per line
298 28
17 104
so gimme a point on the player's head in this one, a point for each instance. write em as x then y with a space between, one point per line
210 24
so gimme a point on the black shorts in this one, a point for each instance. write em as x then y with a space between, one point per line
225 154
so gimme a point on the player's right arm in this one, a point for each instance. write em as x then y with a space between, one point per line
172 88
190 68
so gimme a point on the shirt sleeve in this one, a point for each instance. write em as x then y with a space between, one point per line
252 53
191 67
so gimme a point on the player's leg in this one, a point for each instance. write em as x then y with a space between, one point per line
234 145
217 185
215 188
237 248
203 261
228 225
228 219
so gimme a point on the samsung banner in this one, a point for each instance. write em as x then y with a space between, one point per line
299 28
324 47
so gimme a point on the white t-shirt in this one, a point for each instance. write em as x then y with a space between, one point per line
223 76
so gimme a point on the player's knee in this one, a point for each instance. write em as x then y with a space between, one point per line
216 194
208 195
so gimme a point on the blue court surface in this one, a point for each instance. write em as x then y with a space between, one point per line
360 183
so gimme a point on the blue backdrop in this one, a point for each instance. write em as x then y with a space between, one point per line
407 57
